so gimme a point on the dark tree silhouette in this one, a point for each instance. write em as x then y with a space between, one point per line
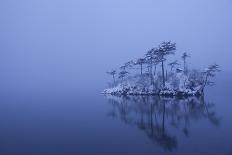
210 71
140 62
157 116
129 64
152 59
123 67
184 57
122 74
165 49
112 73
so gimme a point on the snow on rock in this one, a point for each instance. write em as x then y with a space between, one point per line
177 85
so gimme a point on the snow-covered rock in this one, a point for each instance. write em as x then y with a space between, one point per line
177 85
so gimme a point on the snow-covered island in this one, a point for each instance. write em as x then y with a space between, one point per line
154 78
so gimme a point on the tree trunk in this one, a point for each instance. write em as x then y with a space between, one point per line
151 73
163 73
166 75
114 80
155 70
141 68
184 67
205 82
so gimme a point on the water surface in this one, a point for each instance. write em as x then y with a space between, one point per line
81 123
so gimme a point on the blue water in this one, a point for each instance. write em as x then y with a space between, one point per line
80 123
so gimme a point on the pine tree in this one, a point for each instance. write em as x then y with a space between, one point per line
122 74
151 59
112 73
210 71
140 62
165 49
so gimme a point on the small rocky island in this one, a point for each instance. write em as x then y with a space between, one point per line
149 75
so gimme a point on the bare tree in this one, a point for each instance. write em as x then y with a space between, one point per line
184 57
210 71
112 73
165 49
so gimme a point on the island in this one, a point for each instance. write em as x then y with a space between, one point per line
148 75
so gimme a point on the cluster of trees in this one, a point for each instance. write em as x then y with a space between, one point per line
158 56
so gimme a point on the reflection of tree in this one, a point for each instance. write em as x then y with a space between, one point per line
156 115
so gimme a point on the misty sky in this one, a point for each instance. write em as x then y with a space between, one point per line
68 44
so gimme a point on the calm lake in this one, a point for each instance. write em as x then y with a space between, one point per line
87 124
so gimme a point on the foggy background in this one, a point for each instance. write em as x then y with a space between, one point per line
68 45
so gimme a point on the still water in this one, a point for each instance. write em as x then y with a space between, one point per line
86 124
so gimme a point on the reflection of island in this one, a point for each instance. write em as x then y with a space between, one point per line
156 116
